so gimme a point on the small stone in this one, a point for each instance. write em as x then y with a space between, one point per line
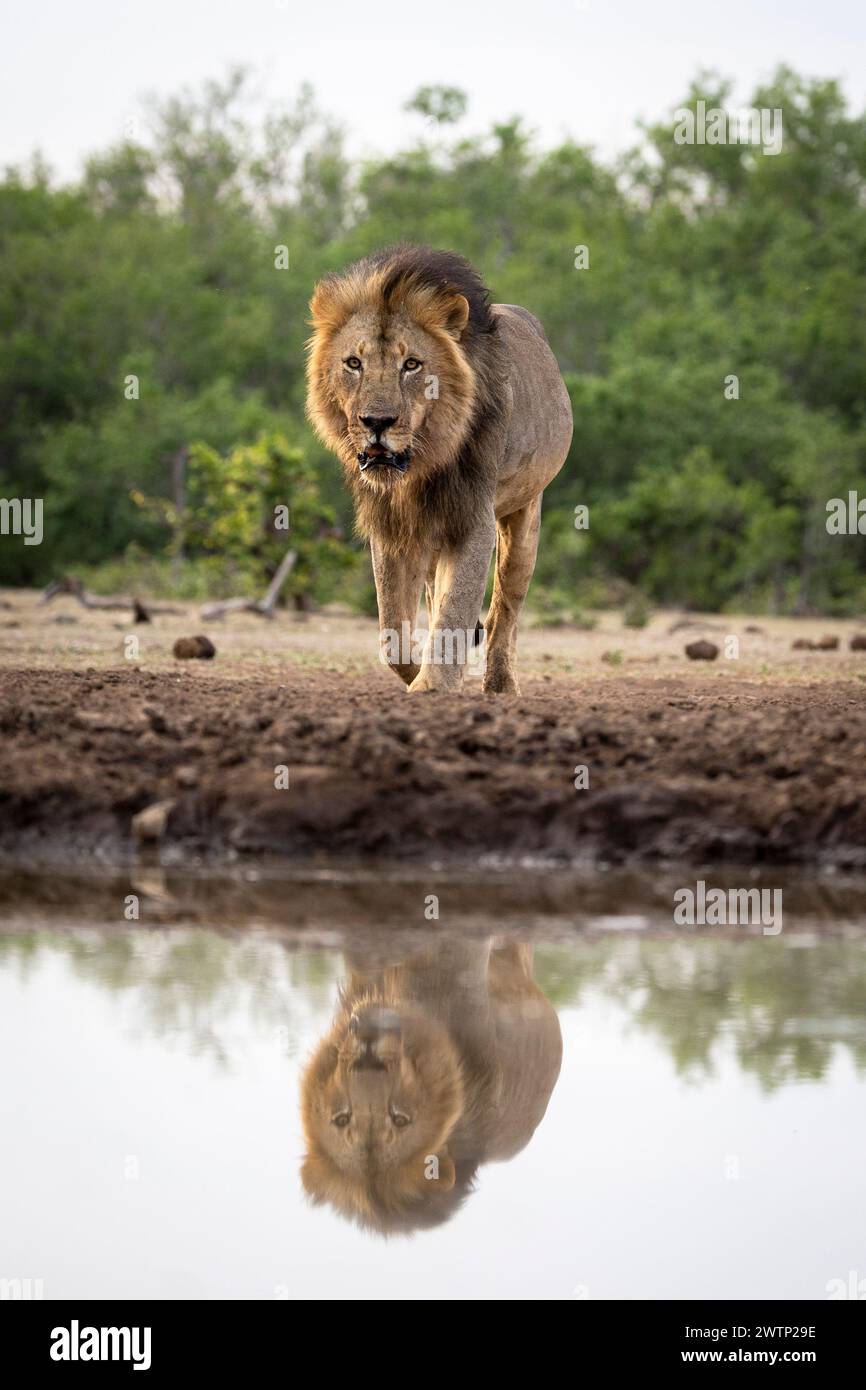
702 651
827 643
858 642
190 648
156 719
148 826
186 775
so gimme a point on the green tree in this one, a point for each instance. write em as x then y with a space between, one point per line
249 505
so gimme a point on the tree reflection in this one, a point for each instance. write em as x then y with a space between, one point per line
782 1007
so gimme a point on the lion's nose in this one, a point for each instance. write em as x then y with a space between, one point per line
373 1023
377 424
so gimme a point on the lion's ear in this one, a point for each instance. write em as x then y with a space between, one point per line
327 307
324 1182
318 1176
447 1173
456 315
439 1173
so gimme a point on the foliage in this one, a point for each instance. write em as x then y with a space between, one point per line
253 503
637 611
706 262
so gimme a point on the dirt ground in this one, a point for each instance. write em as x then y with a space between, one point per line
754 758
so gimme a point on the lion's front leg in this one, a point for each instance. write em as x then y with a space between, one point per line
399 580
516 547
461 577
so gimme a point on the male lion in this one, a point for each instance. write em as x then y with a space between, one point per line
450 418
432 1066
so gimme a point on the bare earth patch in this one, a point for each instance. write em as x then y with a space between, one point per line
758 759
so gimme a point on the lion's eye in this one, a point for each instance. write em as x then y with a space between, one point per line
341 1119
411 364
399 1120
353 363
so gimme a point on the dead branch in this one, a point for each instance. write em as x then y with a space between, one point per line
67 584
263 607
695 622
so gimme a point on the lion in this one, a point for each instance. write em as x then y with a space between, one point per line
432 1066
450 417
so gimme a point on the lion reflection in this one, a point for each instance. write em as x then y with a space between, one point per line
433 1065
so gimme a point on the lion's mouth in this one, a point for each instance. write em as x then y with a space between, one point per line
378 456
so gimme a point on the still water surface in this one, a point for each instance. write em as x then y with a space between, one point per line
616 1109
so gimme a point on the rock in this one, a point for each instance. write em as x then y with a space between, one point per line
702 651
190 648
156 719
186 775
828 643
148 826
753 628
858 642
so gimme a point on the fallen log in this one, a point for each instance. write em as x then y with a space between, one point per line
67 584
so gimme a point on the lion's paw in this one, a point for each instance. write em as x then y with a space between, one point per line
433 680
500 683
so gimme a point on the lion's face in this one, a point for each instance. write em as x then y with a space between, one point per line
381 1096
385 381
390 389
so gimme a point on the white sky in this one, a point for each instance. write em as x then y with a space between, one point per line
73 73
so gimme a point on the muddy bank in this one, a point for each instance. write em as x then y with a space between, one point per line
751 772
334 905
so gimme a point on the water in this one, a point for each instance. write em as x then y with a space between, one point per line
702 1137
